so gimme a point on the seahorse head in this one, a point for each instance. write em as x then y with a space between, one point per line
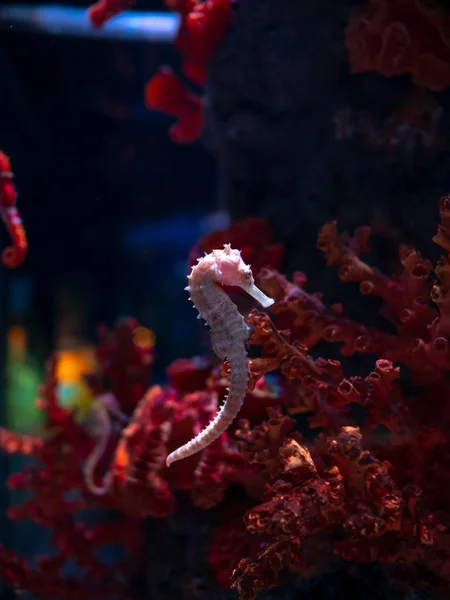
230 269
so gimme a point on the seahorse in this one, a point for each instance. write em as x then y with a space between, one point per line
229 333
13 255
103 409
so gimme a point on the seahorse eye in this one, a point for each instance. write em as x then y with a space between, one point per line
247 277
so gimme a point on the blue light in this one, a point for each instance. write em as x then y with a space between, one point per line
178 232
20 294
174 232
70 21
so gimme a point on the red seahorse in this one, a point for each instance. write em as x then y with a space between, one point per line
229 333
13 255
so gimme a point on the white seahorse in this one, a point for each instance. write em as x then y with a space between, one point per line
229 333
103 409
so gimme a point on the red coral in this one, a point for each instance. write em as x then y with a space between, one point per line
14 255
165 92
399 37
58 491
379 504
370 491
139 485
355 503
103 10
46 581
263 393
189 375
202 27
405 296
53 504
201 31
124 365
203 23
165 418
229 542
15 443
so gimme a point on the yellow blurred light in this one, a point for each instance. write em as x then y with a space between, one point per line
72 365
143 337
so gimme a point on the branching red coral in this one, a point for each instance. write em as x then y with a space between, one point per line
124 366
398 37
163 420
139 484
378 504
354 502
58 493
365 488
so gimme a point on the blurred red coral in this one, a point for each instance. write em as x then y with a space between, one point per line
104 10
124 365
140 485
399 37
13 255
203 23
60 454
189 375
166 93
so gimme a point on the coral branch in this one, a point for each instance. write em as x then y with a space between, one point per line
202 27
14 255
165 92
400 36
